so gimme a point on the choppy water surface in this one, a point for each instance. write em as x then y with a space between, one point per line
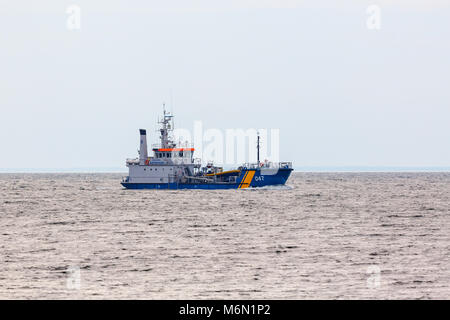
325 236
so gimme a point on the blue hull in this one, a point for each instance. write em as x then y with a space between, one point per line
247 179
175 186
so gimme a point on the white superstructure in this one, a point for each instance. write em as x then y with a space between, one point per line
169 163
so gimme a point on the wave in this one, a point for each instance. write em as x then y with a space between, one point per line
274 187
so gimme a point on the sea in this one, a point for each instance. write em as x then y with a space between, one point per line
322 236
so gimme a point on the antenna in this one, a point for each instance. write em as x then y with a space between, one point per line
171 107
171 101
257 146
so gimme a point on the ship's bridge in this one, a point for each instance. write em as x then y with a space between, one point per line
174 153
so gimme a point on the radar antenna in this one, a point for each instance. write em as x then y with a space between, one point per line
166 126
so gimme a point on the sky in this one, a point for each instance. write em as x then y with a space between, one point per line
341 94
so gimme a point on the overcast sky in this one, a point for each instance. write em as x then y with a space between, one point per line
340 93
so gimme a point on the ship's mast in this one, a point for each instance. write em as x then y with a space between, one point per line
167 125
257 147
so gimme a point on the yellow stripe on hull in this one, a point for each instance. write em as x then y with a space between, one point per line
243 179
247 179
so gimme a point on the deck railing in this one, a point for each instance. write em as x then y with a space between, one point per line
268 165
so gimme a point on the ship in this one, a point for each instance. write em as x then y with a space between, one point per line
173 166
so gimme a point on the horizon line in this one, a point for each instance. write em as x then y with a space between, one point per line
324 169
